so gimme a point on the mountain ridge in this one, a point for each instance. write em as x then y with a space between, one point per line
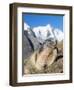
43 33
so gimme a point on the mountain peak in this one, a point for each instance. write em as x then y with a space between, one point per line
43 33
26 26
48 26
47 32
58 34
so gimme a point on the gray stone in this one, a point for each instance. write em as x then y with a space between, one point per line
34 41
26 45
30 44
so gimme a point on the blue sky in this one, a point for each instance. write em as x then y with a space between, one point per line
34 20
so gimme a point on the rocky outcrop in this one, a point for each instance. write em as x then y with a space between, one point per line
30 44
27 46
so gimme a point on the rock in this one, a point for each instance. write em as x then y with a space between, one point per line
27 46
34 41
56 67
30 44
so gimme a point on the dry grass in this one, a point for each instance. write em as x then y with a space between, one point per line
55 67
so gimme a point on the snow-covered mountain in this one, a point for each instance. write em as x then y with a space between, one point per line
26 27
59 35
47 32
43 33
